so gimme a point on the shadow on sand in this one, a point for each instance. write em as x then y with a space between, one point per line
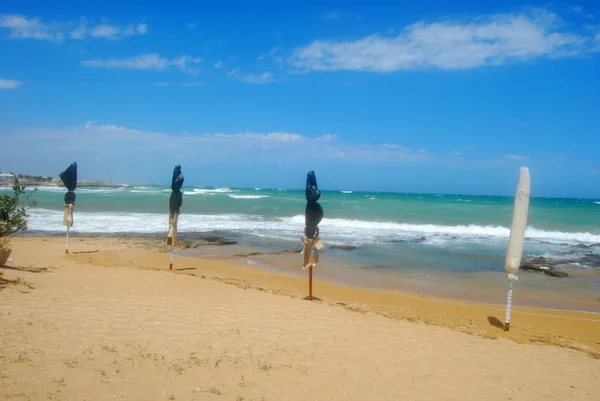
26 269
494 321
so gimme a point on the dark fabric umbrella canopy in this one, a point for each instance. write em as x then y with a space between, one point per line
69 179
176 199
314 211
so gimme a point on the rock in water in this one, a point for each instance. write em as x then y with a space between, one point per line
556 273
344 247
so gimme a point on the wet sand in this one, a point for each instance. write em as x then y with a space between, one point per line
111 321
578 292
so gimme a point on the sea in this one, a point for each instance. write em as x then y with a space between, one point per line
450 246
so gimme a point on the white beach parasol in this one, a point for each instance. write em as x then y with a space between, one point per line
517 236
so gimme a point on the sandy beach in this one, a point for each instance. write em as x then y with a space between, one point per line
110 321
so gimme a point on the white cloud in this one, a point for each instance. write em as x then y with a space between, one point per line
9 84
257 79
184 84
273 55
457 153
23 27
331 16
114 32
274 136
191 26
423 151
395 146
218 64
328 137
579 10
80 31
95 143
151 61
105 31
484 41
515 157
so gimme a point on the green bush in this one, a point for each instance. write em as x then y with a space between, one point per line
13 216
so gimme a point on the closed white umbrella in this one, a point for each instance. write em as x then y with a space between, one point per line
517 236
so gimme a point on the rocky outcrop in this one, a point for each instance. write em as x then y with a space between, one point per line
214 240
246 254
344 247
412 240
544 265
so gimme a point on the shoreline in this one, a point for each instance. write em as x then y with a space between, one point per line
534 290
571 329
58 184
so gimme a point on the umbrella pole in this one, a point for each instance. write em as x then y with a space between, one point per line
171 259
508 306
310 271
67 241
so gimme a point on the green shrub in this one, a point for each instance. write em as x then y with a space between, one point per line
13 215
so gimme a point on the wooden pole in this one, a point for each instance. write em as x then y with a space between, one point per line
171 259
508 306
310 271
67 241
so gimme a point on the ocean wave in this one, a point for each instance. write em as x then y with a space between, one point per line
47 189
333 230
346 192
247 196
99 190
598 203
149 191
202 191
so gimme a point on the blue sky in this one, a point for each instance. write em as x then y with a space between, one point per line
431 97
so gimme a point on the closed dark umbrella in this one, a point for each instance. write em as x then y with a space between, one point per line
69 179
313 216
175 202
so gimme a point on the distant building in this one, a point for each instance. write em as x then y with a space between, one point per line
6 177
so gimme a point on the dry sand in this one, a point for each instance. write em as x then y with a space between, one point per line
112 322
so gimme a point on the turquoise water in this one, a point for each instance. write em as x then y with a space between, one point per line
424 235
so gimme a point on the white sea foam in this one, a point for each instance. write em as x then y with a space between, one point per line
47 189
247 196
149 191
346 192
202 191
598 203
61 189
334 230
